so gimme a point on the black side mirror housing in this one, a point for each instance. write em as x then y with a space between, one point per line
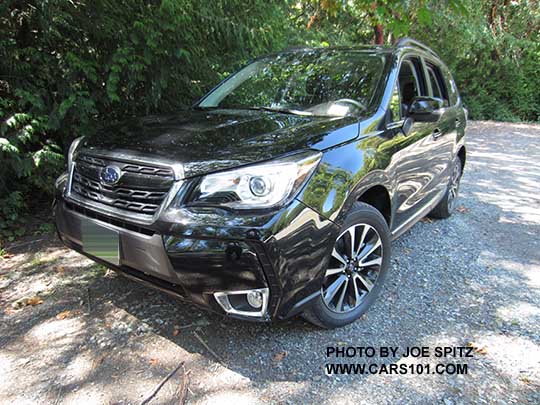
425 109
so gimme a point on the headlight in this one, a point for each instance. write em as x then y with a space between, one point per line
262 185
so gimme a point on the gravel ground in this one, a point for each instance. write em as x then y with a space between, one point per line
470 281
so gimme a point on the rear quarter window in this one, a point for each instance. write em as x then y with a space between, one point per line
453 93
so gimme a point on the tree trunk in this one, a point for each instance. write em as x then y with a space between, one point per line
378 28
379 34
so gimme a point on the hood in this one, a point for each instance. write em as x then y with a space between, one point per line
207 141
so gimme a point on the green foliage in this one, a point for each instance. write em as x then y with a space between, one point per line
494 54
491 46
10 209
69 67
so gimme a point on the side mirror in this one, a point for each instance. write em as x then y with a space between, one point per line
425 109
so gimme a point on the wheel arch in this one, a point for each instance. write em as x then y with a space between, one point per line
378 197
374 189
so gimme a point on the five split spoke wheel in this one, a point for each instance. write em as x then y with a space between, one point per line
453 187
354 268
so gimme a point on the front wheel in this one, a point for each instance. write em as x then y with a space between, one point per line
356 269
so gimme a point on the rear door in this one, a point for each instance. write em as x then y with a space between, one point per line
444 136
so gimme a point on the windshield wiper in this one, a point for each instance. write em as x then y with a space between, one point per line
281 110
270 109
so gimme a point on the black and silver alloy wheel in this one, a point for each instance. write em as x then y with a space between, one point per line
354 268
453 187
445 207
357 266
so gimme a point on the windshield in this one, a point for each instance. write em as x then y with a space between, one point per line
329 83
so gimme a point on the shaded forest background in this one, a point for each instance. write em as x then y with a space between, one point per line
68 66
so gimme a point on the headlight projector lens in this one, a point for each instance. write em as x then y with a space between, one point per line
259 186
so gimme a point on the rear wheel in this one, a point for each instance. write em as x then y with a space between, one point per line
446 206
356 270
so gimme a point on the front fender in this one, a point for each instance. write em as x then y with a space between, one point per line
344 174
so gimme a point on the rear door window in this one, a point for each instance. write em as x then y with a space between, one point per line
434 84
436 80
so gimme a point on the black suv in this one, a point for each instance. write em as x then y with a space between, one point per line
280 191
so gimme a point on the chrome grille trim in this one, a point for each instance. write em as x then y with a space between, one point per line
140 195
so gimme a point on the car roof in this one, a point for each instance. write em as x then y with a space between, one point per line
379 49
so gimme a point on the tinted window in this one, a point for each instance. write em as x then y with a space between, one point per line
411 82
310 82
453 93
434 84
437 82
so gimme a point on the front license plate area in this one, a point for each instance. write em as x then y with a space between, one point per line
100 242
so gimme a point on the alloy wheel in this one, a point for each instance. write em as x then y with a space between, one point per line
453 190
354 268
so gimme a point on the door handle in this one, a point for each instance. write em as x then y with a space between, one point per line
436 133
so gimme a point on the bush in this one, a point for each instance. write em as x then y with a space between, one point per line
66 67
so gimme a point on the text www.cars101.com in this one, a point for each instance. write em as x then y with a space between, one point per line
373 368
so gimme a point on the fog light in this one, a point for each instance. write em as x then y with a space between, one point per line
252 303
255 299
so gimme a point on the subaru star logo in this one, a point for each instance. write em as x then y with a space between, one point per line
110 175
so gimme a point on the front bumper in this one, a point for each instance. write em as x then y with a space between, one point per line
196 254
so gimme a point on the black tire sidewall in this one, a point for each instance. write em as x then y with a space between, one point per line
360 213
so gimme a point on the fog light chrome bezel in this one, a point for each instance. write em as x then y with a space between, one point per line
222 299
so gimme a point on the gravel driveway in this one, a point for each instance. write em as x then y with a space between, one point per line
470 281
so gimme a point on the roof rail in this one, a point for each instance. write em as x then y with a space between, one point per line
413 42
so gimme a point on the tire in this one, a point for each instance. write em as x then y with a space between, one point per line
446 206
364 273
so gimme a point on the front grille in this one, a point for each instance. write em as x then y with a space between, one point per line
116 222
141 187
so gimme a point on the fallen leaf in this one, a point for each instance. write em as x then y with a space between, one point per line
63 315
427 220
478 349
23 302
525 380
68 314
462 209
153 362
60 269
481 350
176 331
280 356
34 300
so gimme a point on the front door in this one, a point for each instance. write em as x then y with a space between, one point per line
416 165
